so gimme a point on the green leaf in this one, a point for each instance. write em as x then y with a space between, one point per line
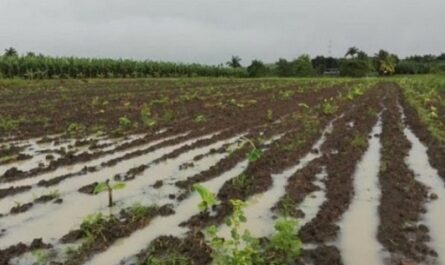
118 186
254 155
207 197
100 187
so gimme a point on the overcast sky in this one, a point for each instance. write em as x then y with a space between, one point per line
210 31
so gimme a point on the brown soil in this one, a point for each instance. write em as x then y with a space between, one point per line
403 198
14 251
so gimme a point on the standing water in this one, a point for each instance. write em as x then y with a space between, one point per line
358 237
417 161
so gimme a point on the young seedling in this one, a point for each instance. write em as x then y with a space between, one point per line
208 199
103 186
254 153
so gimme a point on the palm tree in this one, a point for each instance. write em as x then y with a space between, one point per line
10 52
352 51
234 62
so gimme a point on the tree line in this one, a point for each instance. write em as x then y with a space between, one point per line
32 66
355 63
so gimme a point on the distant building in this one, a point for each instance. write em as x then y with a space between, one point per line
331 72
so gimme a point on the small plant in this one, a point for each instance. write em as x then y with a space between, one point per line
103 186
286 94
93 226
147 118
241 248
329 107
269 115
124 123
285 243
138 211
358 141
41 256
200 119
240 182
208 199
254 153
75 129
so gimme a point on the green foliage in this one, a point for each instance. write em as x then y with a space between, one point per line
355 92
241 248
254 154
41 256
257 69
169 259
285 94
208 199
235 62
329 107
147 118
8 124
46 67
285 241
200 118
124 123
103 186
240 182
93 226
74 129
359 141
139 211
385 63
303 66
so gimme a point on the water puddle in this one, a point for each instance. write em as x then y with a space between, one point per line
78 167
56 219
260 219
311 204
358 228
434 218
127 247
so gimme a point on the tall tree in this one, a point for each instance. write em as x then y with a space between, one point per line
10 52
352 52
235 62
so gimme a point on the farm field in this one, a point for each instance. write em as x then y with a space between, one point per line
175 171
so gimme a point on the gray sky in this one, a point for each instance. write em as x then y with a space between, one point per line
210 31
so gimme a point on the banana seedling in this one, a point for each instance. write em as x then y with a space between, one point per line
106 186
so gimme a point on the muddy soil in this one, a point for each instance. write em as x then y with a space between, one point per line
403 198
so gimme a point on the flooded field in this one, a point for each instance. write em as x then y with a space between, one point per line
329 171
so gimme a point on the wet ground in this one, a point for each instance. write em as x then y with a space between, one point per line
359 180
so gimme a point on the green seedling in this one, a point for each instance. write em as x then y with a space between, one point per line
200 119
255 153
105 186
208 199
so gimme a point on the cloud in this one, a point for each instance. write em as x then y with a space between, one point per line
210 31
